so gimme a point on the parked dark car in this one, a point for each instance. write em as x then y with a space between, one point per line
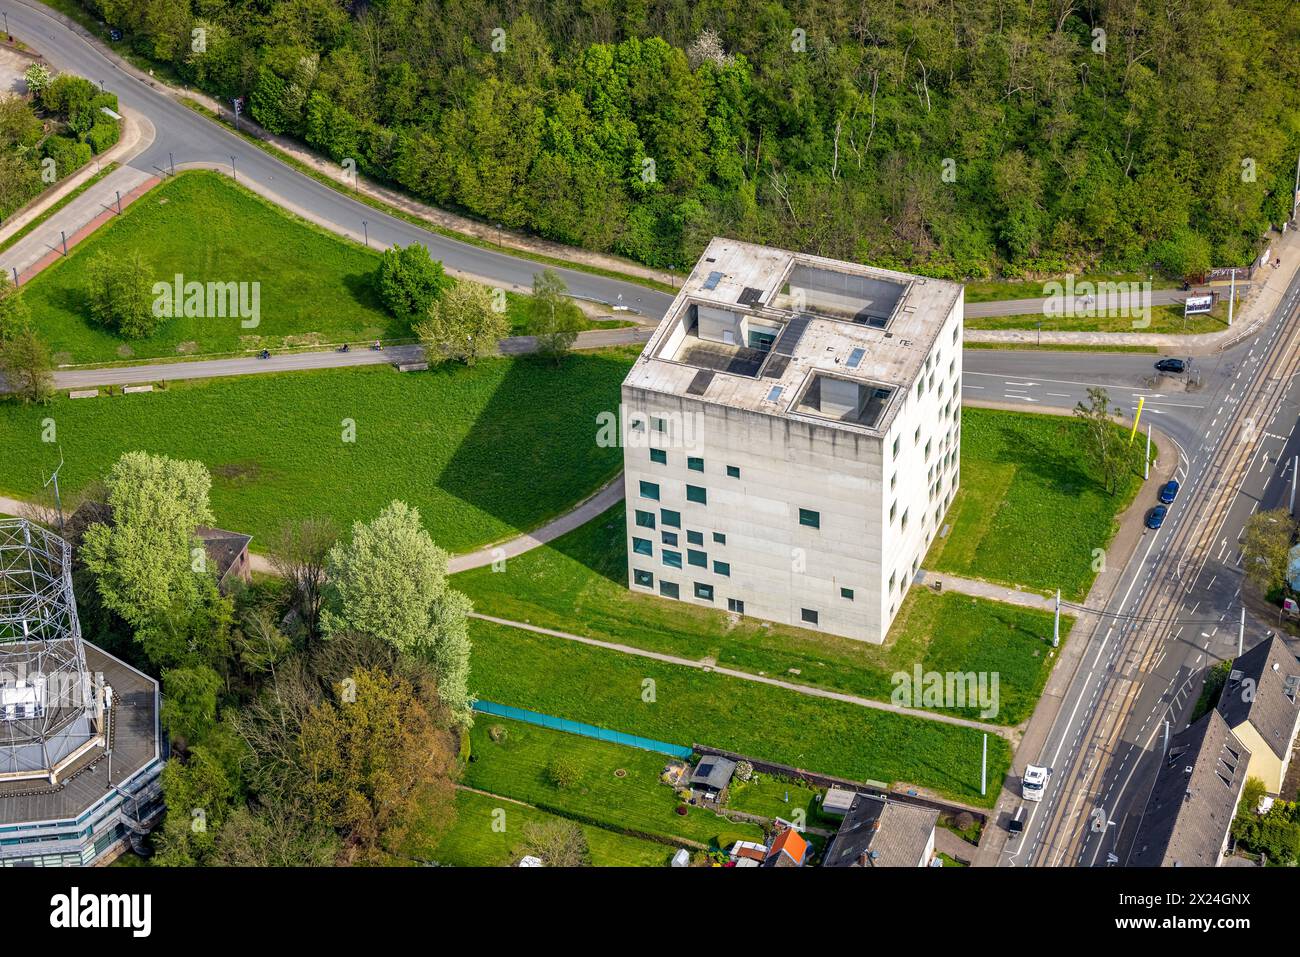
1157 516
1171 365
1169 491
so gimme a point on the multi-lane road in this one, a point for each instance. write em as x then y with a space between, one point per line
1177 600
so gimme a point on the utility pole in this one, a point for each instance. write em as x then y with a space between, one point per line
119 201
984 766
1241 632
1232 295
171 162
15 269
1056 625
366 226
64 237
233 175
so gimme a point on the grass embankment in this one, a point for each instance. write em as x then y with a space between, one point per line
1167 319
1029 511
314 287
610 688
997 290
578 583
612 785
483 452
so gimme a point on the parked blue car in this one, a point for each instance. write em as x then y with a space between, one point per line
1157 516
1169 492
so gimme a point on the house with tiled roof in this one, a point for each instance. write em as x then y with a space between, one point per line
878 832
788 849
1261 705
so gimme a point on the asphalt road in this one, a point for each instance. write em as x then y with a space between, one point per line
1175 612
184 136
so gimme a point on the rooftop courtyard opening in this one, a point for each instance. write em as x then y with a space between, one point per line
818 291
844 400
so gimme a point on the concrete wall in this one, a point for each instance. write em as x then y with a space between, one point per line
779 567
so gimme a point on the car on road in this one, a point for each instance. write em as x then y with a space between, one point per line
1169 491
1157 516
1171 365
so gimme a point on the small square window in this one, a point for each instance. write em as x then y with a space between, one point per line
695 464
808 616
643 546
696 494
810 518
695 538
658 424
650 490
704 591
697 558
733 471
644 579
645 519
669 538
722 568
672 559
736 605
846 593
637 424
670 518
669 589
659 455
719 538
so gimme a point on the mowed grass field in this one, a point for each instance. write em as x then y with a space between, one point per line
615 786
1029 511
483 452
578 583
476 839
315 287
689 706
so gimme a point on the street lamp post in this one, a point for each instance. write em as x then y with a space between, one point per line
233 173
366 227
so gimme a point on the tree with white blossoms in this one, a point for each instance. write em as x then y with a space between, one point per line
37 78
390 581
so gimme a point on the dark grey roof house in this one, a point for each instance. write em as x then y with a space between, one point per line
1261 705
712 775
228 552
877 832
1194 798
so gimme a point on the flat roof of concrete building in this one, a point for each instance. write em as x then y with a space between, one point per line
135 743
796 336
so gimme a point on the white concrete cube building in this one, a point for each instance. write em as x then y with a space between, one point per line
791 438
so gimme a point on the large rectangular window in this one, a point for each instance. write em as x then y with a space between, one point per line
672 559
696 494
720 538
669 589
694 464
704 591
670 538
659 455
695 538
846 593
650 490
736 605
645 519
810 518
808 616
670 518
697 558
643 546
733 471
722 568
644 579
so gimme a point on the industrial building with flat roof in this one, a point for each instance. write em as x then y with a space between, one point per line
791 438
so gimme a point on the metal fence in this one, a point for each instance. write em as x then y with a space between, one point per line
577 727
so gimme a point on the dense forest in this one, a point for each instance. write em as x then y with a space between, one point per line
957 139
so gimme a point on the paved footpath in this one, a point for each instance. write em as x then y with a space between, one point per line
982 589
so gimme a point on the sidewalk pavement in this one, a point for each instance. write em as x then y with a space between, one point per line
1267 289
981 589
137 134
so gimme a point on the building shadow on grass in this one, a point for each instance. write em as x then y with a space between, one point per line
531 453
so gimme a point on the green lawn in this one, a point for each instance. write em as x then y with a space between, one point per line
637 801
315 287
474 842
1029 510
996 290
483 452
608 689
1164 319
771 796
578 583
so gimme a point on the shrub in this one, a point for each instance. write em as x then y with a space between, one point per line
562 772
744 771
103 135
68 154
